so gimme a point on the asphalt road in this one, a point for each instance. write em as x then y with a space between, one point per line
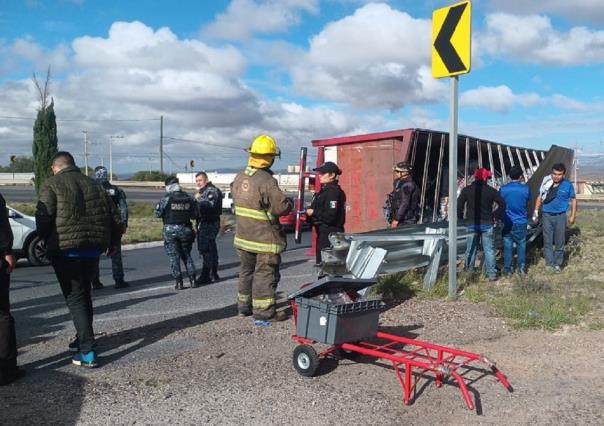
40 312
25 194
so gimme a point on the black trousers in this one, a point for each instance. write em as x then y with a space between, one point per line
8 341
75 277
323 239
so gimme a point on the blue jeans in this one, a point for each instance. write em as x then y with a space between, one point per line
514 234
484 233
554 237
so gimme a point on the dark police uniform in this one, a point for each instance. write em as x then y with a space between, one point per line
8 341
406 201
329 214
118 196
208 225
177 209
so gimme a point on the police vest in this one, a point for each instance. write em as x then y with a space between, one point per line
113 192
179 209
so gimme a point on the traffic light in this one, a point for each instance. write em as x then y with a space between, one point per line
13 159
192 163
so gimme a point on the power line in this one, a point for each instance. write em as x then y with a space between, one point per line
202 142
82 120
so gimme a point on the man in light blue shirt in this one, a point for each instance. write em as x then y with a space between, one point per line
555 202
516 195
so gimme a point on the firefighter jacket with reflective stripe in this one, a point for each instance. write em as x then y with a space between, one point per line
259 202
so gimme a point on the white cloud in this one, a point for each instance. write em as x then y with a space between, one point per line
377 57
499 99
589 10
245 18
137 72
28 51
502 99
533 39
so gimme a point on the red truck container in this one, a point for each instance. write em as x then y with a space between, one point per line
367 168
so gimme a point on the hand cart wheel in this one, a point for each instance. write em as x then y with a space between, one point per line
306 360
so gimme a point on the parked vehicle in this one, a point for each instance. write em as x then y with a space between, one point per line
26 243
227 202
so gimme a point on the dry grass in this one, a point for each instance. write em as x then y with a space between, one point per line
539 299
143 226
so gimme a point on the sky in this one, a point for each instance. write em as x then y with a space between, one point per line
222 72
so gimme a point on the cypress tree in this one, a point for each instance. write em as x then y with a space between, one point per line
45 143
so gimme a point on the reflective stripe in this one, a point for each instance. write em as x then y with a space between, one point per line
263 304
252 213
249 171
244 298
254 246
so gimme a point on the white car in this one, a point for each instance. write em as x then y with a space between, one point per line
26 243
227 201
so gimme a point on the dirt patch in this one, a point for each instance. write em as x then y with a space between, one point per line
239 373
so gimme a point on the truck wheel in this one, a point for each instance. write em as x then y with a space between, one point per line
36 252
306 360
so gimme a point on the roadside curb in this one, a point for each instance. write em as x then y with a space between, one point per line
135 246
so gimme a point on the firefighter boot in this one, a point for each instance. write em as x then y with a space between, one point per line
179 285
204 278
215 276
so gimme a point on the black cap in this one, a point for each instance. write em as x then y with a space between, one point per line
403 166
170 180
328 167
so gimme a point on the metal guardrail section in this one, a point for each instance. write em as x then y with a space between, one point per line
370 254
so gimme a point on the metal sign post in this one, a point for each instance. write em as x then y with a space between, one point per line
451 57
453 189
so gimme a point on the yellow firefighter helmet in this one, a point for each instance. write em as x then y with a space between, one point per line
264 144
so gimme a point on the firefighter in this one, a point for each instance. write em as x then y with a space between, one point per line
327 210
118 196
209 204
177 209
259 238
402 203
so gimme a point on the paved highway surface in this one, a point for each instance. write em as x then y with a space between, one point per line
24 194
40 312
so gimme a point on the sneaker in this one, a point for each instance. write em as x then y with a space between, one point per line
97 285
557 269
74 345
121 284
87 359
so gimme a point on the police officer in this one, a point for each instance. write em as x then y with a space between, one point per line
177 209
9 372
209 206
259 237
327 210
118 196
405 197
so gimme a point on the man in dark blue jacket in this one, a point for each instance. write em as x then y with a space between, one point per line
516 195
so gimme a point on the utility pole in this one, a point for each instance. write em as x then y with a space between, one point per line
85 151
111 155
161 144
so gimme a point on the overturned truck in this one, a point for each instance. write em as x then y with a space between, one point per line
367 248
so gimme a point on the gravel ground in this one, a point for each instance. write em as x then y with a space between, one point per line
222 369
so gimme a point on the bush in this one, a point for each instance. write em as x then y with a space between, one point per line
149 176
